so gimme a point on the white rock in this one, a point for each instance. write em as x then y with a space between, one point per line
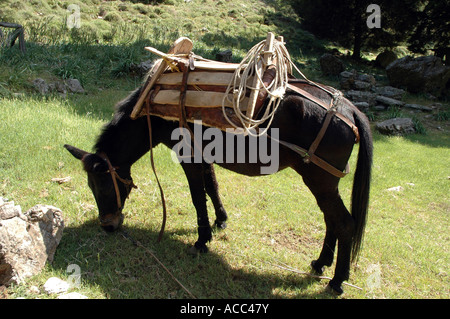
55 285
72 295
395 189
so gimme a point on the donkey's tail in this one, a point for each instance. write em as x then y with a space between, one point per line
361 183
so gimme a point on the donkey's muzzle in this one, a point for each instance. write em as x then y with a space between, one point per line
111 222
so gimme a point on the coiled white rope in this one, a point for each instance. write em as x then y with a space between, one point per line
239 85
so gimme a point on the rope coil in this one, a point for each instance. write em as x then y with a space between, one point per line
239 86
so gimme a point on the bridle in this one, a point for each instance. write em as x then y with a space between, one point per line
115 176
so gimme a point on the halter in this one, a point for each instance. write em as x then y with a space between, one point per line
115 176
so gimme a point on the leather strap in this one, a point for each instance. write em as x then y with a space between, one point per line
321 103
115 176
309 155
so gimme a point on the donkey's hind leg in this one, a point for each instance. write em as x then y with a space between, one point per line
339 227
212 188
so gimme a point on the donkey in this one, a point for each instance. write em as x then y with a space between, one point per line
298 120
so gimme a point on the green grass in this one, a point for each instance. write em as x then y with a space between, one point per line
407 232
273 219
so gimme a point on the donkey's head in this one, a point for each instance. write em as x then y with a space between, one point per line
110 185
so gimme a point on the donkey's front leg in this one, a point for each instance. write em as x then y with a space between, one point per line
194 173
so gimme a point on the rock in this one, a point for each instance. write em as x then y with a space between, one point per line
379 107
51 224
390 91
360 85
72 295
385 58
55 285
362 106
74 86
21 255
395 189
423 74
70 85
389 101
41 86
361 96
367 78
27 240
331 65
142 68
224 56
352 80
396 126
347 79
418 107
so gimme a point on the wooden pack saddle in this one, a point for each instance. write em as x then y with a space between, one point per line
185 87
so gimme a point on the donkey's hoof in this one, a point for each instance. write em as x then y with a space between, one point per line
316 268
220 225
335 288
197 249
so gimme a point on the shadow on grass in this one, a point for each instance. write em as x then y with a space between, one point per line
122 270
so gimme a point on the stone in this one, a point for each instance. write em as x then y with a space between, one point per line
379 107
72 295
361 96
141 68
352 80
362 106
385 58
390 91
426 74
55 285
224 56
331 65
27 241
367 78
396 126
74 86
361 85
70 85
395 189
419 107
41 86
51 224
389 101
347 79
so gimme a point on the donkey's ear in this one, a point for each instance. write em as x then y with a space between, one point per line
94 164
76 152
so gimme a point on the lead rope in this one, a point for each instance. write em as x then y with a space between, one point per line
138 244
163 226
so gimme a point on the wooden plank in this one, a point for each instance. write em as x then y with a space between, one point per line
215 65
197 78
202 99
180 46
268 48
212 117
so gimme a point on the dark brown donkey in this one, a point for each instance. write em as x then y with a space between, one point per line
298 122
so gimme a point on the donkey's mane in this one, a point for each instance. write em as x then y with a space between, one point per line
121 117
